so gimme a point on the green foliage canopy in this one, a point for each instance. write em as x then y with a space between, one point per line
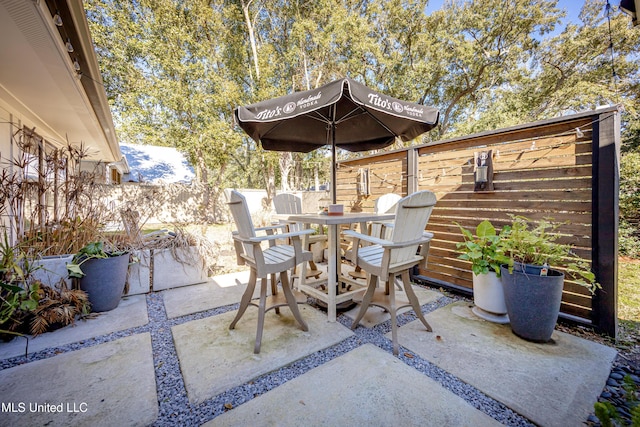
175 70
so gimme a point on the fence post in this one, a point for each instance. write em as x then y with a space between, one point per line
606 182
412 170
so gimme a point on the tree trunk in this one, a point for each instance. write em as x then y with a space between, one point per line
270 183
215 190
252 38
286 165
202 175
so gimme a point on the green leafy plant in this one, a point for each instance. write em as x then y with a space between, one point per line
607 413
92 250
483 249
538 245
17 295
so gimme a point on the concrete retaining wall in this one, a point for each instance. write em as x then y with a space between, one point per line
184 203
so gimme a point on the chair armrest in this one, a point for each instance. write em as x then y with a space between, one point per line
268 237
237 245
367 238
271 228
386 244
423 251
426 237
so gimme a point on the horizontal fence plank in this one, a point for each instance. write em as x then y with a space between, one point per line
454 213
525 194
557 187
450 234
565 206
510 174
515 136
532 149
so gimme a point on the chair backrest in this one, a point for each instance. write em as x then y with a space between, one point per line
386 203
240 212
288 204
383 204
412 215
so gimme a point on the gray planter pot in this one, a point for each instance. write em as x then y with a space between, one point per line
533 301
104 281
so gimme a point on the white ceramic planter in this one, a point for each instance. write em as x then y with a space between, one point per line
488 296
184 268
139 276
53 270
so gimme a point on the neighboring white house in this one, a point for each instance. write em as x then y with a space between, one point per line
152 163
50 84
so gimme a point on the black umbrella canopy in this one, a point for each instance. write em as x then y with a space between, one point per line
362 118
344 114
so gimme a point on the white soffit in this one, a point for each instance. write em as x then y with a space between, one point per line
39 83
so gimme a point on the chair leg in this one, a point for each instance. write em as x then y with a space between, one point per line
366 300
291 301
246 298
302 276
302 279
398 284
274 290
392 312
261 312
413 299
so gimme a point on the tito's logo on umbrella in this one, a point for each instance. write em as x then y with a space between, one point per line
289 108
383 103
309 100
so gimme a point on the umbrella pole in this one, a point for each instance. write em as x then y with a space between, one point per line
334 182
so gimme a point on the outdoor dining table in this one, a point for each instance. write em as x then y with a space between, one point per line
333 222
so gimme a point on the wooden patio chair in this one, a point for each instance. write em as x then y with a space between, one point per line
277 258
291 204
387 259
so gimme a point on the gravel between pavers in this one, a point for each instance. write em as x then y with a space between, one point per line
174 405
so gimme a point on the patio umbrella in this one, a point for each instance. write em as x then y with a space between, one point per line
343 114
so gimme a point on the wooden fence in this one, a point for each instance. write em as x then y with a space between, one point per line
565 168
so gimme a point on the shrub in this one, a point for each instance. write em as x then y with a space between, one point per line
630 205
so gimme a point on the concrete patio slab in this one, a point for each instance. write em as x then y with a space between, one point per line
130 313
105 385
376 315
216 292
214 358
553 384
365 387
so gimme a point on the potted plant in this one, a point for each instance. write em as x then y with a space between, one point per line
17 294
102 273
484 251
532 289
28 306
